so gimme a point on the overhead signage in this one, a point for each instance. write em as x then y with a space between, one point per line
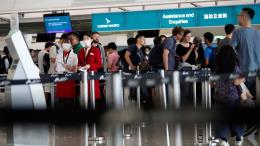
215 16
183 17
108 22
160 19
143 20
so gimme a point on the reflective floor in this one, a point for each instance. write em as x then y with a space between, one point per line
141 134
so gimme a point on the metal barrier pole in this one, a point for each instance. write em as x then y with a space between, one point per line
84 90
52 86
258 90
195 94
92 91
206 94
109 91
139 136
163 90
138 93
178 135
117 93
167 135
86 134
175 100
92 98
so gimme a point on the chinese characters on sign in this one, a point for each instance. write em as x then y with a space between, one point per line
216 16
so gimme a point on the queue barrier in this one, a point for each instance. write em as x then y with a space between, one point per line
117 82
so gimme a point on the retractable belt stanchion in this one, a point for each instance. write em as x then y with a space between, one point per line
117 96
92 99
138 93
84 90
258 88
52 86
175 100
163 90
92 92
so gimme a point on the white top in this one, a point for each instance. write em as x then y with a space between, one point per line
53 54
40 60
71 60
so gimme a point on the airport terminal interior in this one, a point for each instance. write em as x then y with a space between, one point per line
129 72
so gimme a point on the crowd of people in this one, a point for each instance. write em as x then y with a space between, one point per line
238 52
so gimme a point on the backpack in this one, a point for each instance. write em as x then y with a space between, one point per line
122 62
212 61
2 64
155 56
46 63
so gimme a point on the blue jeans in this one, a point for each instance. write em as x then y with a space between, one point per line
223 129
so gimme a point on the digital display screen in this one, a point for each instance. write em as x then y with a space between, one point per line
57 23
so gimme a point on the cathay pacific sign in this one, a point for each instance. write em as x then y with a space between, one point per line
108 22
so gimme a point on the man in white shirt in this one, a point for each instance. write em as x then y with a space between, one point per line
54 51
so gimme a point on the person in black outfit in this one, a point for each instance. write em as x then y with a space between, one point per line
187 53
6 61
186 50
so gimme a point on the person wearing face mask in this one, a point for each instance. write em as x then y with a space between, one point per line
90 60
66 62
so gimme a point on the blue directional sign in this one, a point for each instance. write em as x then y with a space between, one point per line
178 17
108 22
157 19
216 16
142 20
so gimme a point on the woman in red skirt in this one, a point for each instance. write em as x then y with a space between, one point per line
89 59
66 62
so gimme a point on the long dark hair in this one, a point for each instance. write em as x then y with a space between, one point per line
226 60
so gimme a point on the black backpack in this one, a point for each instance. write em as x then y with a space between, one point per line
212 61
2 64
46 63
122 62
155 56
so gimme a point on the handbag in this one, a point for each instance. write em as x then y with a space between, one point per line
187 66
246 97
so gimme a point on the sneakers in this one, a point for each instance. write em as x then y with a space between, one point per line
223 143
239 143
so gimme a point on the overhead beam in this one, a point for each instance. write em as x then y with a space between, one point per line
123 9
216 3
179 5
4 19
195 5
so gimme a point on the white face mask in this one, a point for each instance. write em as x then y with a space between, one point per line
66 46
87 43
82 43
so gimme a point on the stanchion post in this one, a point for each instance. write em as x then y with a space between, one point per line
84 90
138 92
163 90
92 98
258 89
92 91
52 86
195 94
175 100
117 93
178 135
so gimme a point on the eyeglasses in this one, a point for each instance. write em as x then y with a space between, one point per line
240 15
